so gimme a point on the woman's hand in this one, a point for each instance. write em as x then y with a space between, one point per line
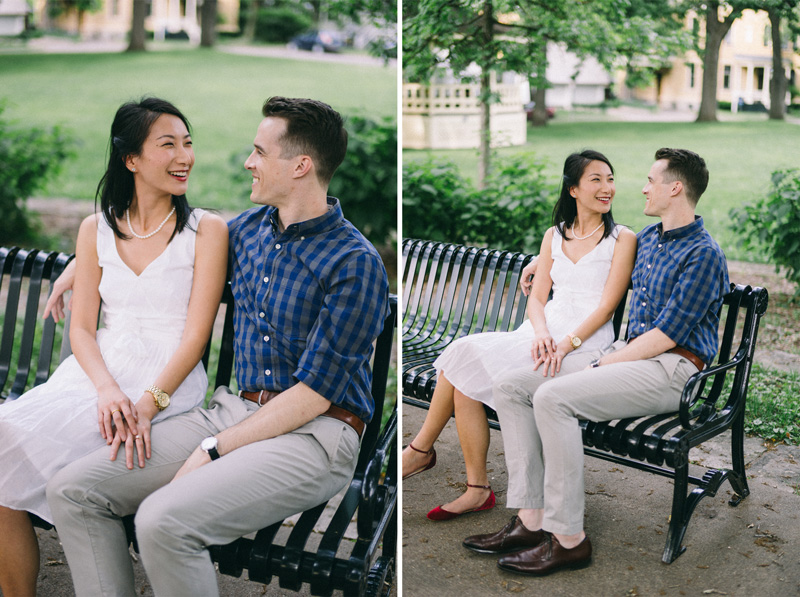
526 277
138 442
115 409
546 352
64 283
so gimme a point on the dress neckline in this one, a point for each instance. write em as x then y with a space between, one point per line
561 248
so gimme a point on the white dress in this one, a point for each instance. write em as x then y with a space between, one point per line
143 318
472 362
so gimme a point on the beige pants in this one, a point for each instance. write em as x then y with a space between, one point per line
539 422
245 490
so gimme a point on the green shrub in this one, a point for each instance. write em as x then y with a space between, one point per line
724 106
366 182
28 157
512 212
280 24
773 223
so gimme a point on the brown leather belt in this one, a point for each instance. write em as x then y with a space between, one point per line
690 356
335 412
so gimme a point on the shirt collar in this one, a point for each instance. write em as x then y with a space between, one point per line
681 232
327 221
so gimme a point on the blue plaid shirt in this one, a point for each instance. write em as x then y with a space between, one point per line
308 303
678 281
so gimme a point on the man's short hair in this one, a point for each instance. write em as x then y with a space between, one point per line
314 129
688 167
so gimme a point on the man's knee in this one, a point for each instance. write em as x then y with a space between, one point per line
513 388
64 488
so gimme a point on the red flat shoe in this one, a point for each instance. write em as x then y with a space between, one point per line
439 514
431 463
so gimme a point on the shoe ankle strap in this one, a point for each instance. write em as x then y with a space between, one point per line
489 487
410 445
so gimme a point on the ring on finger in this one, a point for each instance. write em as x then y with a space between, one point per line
135 437
116 410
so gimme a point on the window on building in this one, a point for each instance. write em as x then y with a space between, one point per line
758 73
726 77
690 67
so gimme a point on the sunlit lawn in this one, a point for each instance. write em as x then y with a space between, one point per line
740 156
221 94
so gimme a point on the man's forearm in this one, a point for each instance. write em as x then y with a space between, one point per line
286 412
648 345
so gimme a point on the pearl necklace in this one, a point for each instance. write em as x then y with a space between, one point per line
574 236
160 226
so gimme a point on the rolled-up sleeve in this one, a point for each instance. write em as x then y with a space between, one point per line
339 345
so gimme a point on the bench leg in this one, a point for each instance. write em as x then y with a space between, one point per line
679 519
738 476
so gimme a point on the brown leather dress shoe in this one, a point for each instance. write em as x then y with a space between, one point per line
548 557
512 537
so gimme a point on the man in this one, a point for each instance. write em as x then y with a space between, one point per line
679 280
310 296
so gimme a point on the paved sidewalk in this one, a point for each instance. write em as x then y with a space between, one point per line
753 549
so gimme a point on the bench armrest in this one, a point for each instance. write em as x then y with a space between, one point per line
374 494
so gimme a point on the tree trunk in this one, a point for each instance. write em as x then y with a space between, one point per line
777 84
540 108
252 17
208 24
137 26
715 33
484 162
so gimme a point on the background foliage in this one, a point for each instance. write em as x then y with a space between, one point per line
512 212
28 157
773 223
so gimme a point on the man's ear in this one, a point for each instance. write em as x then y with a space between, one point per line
303 166
677 187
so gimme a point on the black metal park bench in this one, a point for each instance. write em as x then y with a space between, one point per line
452 290
314 552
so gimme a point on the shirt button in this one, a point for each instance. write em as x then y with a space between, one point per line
644 288
266 338
267 372
261 315
659 246
278 246
266 279
641 325
302 238
649 266
644 304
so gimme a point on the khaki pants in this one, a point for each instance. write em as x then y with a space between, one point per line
539 422
245 490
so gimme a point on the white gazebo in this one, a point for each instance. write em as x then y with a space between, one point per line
448 116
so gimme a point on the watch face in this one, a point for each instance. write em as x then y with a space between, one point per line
163 400
576 342
208 443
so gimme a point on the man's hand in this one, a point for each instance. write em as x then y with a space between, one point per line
526 277
55 304
197 459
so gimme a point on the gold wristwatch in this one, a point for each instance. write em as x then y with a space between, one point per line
574 340
160 396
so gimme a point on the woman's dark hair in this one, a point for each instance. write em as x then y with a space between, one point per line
566 210
131 126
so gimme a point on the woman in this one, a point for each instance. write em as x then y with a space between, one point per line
154 268
587 261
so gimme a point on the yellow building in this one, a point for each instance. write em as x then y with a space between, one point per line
113 20
745 68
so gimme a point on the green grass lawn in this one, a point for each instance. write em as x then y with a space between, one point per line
221 94
740 155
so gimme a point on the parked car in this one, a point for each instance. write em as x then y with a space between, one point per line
317 41
551 112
